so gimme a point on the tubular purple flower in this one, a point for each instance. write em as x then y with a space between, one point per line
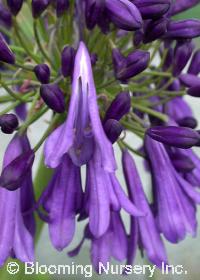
176 211
62 199
149 236
194 67
61 7
113 129
38 7
83 126
152 9
5 16
8 123
6 55
183 29
53 97
67 61
17 227
179 6
128 67
15 6
194 91
119 107
124 14
104 193
42 73
93 12
155 30
182 54
180 137
181 162
189 80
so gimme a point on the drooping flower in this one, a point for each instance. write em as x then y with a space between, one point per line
174 197
16 210
83 127
149 236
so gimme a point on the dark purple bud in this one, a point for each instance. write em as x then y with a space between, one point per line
93 12
130 66
182 163
189 80
15 172
194 91
8 123
119 107
67 61
175 85
138 37
124 14
15 6
169 58
42 73
94 59
180 137
187 122
38 7
194 67
182 5
53 97
155 29
113 130
152 9
5 16
183 29
182 54
6 55
61 7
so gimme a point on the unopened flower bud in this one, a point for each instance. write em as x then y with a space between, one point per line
42 73
61 7
194 91
67 61
194 67
180 137
189 80
113 130
155 29
5 16
93 12
15 6
187 122
8 123
53 97
183 29
38 7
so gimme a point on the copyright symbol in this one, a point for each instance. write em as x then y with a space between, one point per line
12 268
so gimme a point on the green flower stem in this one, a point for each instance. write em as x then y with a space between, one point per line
10 92
151 112
47 132
23 44
123 145
16 103
24 67
37 38
156 74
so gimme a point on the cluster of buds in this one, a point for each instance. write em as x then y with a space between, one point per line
102 68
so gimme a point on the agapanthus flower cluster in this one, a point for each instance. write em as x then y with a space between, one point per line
103 68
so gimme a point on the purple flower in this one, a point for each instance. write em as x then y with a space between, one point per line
15 6
194 67
53 96
61 7
152 9
128 67
189 80
155 29
67 61
5 16
149 235
83 127
93 12
38 7
113 129
62 199
174 197
21 111
194 91
119 107
124 14
42 73
182 5
182 54
17 220
183 29
8 123
180 137
6 55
